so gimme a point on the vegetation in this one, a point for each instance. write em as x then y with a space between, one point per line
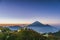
56 35
23 34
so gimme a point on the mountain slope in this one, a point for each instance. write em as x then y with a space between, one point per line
37 23
39 27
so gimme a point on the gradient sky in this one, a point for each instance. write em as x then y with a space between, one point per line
47 12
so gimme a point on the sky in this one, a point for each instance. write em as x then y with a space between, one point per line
28 11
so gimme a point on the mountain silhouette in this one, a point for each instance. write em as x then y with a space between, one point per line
39 27
37 23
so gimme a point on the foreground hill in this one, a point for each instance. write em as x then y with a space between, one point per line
39 27
56 34
23 34
26 34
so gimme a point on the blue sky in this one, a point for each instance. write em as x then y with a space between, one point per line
47 12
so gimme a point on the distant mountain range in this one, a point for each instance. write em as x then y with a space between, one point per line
37 23
39 27
14 27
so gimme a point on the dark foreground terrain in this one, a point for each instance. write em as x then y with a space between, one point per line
26 34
